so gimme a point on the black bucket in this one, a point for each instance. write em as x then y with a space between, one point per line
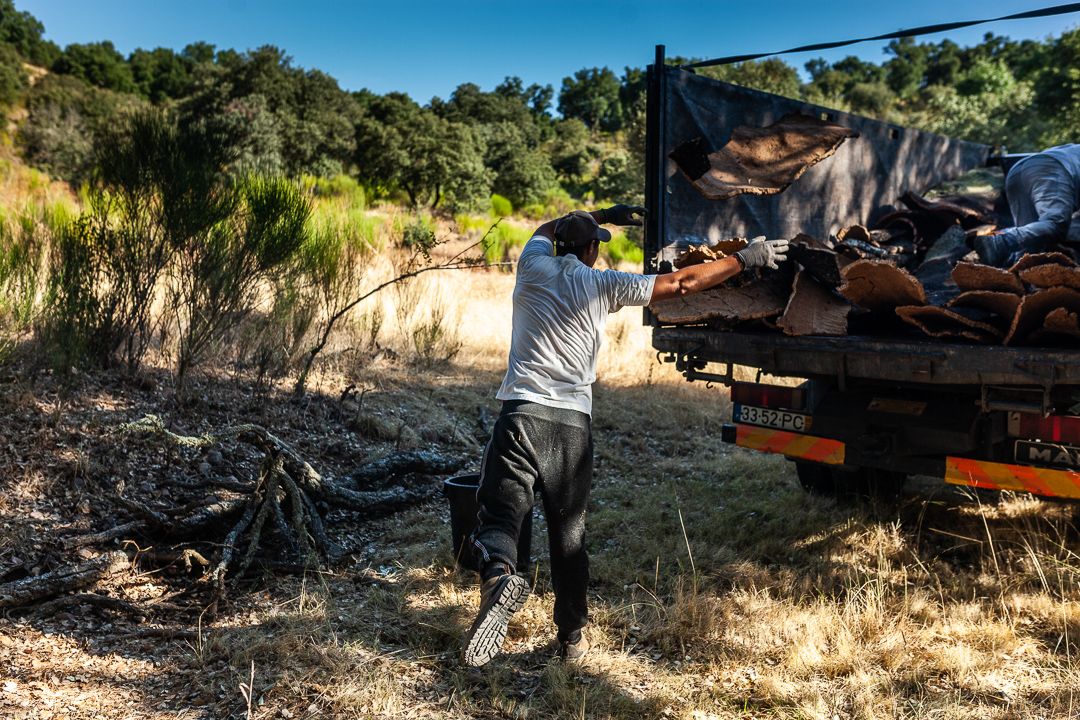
460 491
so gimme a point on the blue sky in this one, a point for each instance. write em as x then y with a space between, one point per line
427 48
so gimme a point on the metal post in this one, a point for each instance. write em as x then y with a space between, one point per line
654 164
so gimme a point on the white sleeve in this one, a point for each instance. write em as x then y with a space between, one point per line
620 289
538 247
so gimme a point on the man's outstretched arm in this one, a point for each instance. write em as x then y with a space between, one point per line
759 253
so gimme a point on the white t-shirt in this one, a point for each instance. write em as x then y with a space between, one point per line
560 310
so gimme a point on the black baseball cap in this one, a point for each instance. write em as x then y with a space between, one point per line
578 229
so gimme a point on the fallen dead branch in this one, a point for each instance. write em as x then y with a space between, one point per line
62 580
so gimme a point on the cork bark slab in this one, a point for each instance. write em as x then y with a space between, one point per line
1052 275
705 253
999 303
813 309
1036 307
734 304
820 262
879 285
761 160
943 323
976 276
947 211
1036 259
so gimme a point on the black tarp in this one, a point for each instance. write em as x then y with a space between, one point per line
860 182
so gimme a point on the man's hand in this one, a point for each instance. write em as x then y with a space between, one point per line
621 215
763 253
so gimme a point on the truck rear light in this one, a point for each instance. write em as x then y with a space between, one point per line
1057 428
770 396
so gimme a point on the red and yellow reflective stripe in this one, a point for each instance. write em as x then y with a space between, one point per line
1021 478
806 447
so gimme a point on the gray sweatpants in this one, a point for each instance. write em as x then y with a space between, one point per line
535 447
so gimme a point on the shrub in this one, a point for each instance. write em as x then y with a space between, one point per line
331 261
341 187
66 120
217 279
12 75
622 249
158 190
502 239
22 263
434 340
501 207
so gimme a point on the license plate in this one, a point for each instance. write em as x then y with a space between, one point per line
768 417
1048 454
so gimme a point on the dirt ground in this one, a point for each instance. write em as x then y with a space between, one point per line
720 589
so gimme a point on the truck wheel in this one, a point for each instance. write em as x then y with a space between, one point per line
866 483
816 479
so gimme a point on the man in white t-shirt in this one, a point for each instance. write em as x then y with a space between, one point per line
543 438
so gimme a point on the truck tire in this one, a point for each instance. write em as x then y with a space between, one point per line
857 483
816 479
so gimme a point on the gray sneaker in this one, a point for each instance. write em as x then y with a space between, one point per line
500 597
573 650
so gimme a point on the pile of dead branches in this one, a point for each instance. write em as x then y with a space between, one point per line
279 517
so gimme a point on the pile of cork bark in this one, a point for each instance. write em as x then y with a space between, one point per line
913 271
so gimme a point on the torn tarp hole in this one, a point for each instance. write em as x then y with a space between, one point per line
692 157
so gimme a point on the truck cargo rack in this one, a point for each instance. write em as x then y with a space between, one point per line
877 358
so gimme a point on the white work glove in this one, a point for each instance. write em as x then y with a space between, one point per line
763 253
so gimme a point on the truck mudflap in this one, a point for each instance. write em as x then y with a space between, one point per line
1048 482
793 445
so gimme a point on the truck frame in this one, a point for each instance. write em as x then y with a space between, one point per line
871 410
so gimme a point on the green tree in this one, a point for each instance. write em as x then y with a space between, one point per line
98 64
66 120
905 72
13 80
570 150
23 31
521 173
160 74
433 160
771 75
592 96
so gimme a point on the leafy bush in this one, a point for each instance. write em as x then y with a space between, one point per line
418 234
622 249
12 75
340 187
502 239
217 279
158 190
435 340
66 120
501 207
23 254
556 203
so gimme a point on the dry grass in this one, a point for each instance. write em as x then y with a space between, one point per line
771 604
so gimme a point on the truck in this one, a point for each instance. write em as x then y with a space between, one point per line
870 410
